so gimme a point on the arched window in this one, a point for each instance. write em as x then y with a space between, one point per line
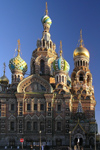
42 66
57 78
78 63
81 62
15 77
18 78
81 77
62 78
33 67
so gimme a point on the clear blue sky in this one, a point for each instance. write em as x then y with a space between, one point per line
21 19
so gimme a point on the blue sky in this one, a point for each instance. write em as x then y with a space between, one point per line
21 19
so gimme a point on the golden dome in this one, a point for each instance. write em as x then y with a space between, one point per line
81 51
4 80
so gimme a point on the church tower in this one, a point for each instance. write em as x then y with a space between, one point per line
82 88
44 54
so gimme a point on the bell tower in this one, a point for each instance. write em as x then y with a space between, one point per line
44 54
81 78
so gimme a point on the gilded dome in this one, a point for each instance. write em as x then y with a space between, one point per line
81 51
4 79
18 63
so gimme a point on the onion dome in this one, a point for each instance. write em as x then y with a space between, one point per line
46 21
4 79
81 50
60 63
18 63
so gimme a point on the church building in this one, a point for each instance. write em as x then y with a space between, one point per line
48 105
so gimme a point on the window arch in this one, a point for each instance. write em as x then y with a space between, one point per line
42 66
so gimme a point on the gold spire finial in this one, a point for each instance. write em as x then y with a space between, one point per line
60 48
81 40
18 46
4 67
46 10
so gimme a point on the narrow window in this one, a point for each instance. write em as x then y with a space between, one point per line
35 106
12 107
57 78
78 63
28 106
42 66
62 78
59 107
81 62
28 125
81 77
41 106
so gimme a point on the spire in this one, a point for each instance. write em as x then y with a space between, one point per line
46 10
81 40
60 48
4 67
18 46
